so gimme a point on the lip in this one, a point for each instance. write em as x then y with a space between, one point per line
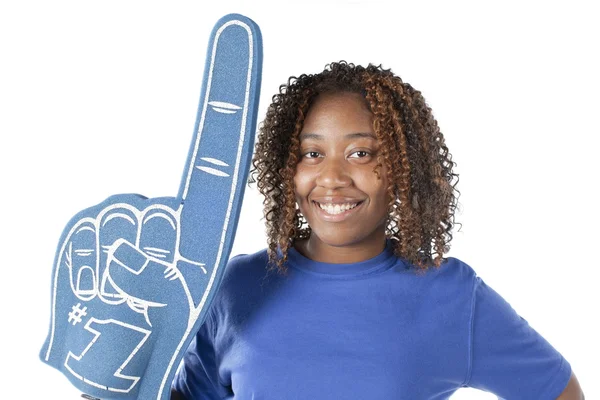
322 214
335 200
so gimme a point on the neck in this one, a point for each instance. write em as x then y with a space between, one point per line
317 250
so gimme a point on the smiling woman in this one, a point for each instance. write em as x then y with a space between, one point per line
408 162
337 189
101 97
353 297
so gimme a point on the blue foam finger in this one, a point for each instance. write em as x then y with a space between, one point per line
134 277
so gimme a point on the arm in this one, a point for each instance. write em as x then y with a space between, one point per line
572 391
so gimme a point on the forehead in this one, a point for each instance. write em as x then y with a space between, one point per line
338 114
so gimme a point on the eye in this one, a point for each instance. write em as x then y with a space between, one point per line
360 154
311 154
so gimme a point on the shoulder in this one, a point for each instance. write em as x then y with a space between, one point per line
246 259
246 264
243 274
243 289
453 273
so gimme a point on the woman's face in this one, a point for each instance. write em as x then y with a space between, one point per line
337 189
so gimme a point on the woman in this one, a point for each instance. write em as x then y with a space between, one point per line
353 299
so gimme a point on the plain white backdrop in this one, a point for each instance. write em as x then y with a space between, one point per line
100 98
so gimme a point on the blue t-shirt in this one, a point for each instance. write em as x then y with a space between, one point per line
371 330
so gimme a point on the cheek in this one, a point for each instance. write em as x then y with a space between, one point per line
302 184
379 189
367 178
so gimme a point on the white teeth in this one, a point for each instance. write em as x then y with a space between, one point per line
337 208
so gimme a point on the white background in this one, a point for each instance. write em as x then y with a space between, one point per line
99 98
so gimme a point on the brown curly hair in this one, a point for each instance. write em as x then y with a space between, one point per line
421 187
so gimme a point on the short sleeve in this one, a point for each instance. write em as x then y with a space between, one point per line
197 376
508 357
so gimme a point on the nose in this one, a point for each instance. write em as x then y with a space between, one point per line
333 174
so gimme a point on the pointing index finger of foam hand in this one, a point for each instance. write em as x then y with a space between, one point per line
217 167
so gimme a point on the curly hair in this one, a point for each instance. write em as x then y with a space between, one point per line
421 188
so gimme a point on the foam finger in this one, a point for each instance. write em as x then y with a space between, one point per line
141 277
80 256
218 164
116 222
158 235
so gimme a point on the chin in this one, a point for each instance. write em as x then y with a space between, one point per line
334 239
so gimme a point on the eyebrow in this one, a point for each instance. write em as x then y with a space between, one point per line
357 135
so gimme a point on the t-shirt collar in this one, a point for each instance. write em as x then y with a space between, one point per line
383 260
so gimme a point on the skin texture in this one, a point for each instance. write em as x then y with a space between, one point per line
338 151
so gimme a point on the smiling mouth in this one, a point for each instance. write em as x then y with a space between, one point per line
336 209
